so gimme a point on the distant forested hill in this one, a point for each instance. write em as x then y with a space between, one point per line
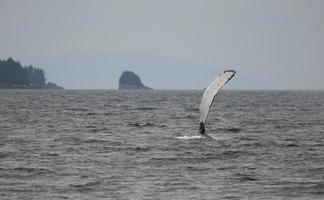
14 75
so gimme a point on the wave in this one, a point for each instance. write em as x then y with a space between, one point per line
96 130
5 154
73 140
50 154
142 149
236 153
189 116
77 109
147 108
196 169
146 124
96 140
234 130
189 137
25 172
247 138
98 113
30 169
227 130
91 185
251 144
244 177
227 168
192 109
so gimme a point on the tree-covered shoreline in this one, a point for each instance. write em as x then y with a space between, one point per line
13 75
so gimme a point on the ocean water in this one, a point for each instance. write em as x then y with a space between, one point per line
103 144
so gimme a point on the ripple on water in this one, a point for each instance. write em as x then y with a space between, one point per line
124 145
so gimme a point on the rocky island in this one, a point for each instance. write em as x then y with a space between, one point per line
131 81
15 76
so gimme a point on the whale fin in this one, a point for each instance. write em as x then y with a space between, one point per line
209 95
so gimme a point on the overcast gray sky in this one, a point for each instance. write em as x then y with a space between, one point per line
171 44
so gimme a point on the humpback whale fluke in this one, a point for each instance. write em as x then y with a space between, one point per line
209 95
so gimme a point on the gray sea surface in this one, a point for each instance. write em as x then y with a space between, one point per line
106 144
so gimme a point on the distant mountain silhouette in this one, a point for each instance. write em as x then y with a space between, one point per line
13 75
131 81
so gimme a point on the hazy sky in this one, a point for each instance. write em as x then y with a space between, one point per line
171 44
